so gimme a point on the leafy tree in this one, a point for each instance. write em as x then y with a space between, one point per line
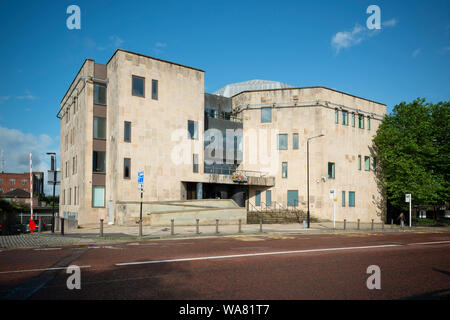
412 147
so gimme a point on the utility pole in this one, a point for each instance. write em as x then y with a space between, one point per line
53 169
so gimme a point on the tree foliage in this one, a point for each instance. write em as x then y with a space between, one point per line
412 147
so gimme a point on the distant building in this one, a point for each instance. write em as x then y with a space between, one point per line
138 113
12 181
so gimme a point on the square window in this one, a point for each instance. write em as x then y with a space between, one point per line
266 115
351 199
99 161
292 198
282 141
192 129
98 196
155 89
295 141
99 93
138 86
331 170
99 128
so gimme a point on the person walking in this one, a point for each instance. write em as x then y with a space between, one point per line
401 217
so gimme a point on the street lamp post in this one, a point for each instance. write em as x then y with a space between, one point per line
307 169
53 168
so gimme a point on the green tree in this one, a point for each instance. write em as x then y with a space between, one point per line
412 148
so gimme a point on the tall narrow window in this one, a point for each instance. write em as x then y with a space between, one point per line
257 198
192 129
353 119
138 86
343 198
268 198
73 165
359 162
367 163
368 123
361 121
336 116
70 196
351 199
99 162
295 141
345 117
331 170
127 132
282 142
99 128
284 170
98 196
266 115
127 168
195 163
155 89
99 93
292 198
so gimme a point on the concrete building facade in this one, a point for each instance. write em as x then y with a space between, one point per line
138 113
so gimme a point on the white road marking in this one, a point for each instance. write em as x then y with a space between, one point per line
273 253
254 254
35 270
45 249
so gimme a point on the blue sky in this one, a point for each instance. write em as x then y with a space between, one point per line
302 43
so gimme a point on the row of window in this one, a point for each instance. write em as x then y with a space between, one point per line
98 196
292 198
12 182
12 189
100 129
68 200
74 166
345 116
283 141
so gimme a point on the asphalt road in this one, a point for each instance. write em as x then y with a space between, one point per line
292 267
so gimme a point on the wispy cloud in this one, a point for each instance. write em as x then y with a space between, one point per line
159 47
26 96
416 52
116 41
3 99
346 39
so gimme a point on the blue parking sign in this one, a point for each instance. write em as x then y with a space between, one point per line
141 177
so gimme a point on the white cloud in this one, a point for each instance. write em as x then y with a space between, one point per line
159 47
17 147
26 96
116 41
416 52
346 39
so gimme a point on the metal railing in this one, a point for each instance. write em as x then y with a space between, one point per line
230 171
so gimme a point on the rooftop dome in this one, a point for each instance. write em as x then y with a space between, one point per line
235 88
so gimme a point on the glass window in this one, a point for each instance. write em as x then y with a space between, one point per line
345 117
127 132
367 163
12 182
359 162
295 141
351 199
353 120
99 161
155 89
292 198
284 170
98 196
257 198
266 114
99 93
268 198
138 86
282 141
195 163
126 168
343 198
192 129
368 123
361 121
336 116
331 170
99 128
24 182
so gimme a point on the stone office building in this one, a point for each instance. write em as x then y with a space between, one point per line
138 113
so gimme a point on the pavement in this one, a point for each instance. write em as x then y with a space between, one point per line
90 234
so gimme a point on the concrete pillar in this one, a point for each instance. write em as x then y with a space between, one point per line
199 190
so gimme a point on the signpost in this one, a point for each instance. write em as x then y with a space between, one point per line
408 199
334 199
141 189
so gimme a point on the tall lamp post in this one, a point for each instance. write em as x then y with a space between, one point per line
307 169
53 168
